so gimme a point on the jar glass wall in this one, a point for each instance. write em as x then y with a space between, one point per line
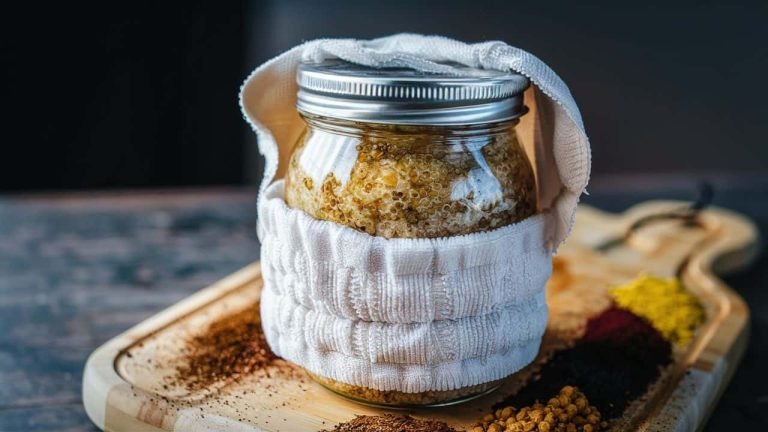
411 181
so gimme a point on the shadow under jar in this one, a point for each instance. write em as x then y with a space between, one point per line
398 153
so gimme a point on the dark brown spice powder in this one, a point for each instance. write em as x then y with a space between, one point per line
391 423
231 347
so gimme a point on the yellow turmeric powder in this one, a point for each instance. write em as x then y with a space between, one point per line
672 309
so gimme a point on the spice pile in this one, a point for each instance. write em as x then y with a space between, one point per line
231 347
623 349
615 361
566 411
391 423
673 310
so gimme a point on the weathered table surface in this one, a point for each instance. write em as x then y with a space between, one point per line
76 269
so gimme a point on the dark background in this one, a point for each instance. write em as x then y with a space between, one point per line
125 95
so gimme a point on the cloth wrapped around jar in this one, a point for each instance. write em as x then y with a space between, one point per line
412 315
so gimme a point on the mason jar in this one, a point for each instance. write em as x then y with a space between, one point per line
397 153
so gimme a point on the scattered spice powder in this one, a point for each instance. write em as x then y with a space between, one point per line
231 347
566 411
674 311
617 359
391 423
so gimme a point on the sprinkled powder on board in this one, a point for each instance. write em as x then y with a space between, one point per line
232 346
567 411
391 423
617 359
673 310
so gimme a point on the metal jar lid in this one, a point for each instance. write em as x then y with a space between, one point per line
343 90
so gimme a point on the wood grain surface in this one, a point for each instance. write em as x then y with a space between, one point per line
77 269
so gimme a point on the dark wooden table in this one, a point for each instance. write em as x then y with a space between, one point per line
77 269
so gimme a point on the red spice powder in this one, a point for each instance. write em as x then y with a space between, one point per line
615 325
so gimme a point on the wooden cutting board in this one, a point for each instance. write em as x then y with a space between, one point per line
125 385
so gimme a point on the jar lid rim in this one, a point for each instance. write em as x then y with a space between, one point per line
336 88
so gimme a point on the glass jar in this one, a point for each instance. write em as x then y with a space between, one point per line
422 165
403 154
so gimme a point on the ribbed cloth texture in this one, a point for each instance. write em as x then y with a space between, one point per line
340 271
428 344
412 315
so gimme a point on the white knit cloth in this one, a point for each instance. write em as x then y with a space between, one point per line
412 315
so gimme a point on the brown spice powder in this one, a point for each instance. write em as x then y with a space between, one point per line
391 423
231 347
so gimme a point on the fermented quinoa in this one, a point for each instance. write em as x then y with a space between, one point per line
417 181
